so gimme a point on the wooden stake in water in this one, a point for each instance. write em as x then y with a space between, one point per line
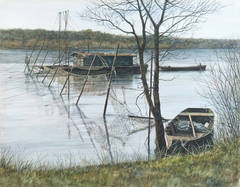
59 48
53 67
84 84
68 77
29 57
41 66
64 85
110 81
37 56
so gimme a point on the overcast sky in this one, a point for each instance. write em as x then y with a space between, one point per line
32 14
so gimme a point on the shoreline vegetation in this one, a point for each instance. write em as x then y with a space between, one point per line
218 167
26 39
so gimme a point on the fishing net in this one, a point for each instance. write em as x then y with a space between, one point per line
185 127
130 123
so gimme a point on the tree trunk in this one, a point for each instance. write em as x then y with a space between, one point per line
160 134
155 108
144 81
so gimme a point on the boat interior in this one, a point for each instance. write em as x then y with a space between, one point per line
191 117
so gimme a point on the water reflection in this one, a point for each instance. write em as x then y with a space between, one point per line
97 133
108 140
89 129
45 124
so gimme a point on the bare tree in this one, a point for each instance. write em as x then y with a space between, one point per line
155 19
223 93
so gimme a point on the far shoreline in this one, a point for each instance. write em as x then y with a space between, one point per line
93 40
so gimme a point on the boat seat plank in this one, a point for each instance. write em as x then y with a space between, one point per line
196 114
191 122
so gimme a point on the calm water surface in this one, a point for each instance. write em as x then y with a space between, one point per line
39 125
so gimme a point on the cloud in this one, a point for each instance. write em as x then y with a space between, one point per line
33 14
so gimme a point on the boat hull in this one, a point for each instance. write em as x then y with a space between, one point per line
182 141
97 70
130 69
84 71
186 68
191 146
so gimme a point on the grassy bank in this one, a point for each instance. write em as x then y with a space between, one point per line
220 167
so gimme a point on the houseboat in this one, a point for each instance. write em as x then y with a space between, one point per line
124 62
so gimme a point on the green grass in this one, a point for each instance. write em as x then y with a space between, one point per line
219 167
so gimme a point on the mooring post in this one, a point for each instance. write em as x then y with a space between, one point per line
64 85
46 76
50 68
37 56
86 79
55 73
41 66
68 77
110 81
34 47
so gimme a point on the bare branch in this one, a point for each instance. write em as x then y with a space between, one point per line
152 20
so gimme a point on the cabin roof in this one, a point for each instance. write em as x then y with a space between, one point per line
85 55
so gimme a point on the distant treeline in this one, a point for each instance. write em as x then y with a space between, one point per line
27 39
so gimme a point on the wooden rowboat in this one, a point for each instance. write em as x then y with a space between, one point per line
191 130
183 68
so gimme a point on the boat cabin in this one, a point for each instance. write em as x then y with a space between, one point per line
85 59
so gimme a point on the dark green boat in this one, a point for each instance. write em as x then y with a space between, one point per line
191 130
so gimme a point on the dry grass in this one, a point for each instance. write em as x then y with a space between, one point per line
220 167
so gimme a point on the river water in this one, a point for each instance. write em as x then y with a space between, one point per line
39 125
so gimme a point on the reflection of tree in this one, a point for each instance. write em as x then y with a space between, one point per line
108 140
102 135
83 117
66 107
159 19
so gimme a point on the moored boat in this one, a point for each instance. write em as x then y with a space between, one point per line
191 130
199 67
124 61
100 63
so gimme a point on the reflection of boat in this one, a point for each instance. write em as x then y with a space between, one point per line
64 69
124 61
183 68
190 130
